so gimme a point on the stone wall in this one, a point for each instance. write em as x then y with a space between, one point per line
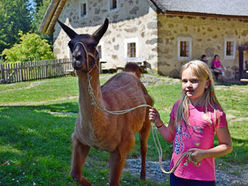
133 19
208 37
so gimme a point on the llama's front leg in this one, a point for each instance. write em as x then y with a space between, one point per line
79 154
144 134
116 164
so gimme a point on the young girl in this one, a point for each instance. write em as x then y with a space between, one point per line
193 121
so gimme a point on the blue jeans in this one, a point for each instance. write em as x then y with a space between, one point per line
176 181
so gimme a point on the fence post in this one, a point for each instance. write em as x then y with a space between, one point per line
2 73
26 71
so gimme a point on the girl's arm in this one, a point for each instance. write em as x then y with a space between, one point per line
168 132
224 147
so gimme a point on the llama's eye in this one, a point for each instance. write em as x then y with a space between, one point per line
77 57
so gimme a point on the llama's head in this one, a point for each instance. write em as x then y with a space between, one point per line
83 47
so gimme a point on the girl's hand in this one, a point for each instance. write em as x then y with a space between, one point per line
155 117
197 155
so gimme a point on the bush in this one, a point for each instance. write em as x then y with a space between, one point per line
30 48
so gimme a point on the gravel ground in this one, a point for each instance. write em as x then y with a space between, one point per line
223 177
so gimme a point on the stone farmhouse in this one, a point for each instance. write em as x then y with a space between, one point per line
164 33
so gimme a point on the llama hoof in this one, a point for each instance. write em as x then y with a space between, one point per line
143 176
75 177
81 180
85 182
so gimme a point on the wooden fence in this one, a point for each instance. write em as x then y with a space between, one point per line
26 71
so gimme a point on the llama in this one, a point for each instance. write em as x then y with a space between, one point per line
134 69
96 128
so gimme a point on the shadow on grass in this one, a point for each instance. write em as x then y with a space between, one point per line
35 147
36 143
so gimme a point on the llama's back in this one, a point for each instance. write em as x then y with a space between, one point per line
124 91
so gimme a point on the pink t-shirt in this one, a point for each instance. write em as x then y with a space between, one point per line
200 134
216 64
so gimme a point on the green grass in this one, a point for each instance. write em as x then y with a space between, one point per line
35 142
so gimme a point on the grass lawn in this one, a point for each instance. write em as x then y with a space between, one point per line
37 119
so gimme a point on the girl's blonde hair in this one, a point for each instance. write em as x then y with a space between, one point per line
202 71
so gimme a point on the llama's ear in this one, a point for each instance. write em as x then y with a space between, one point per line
67 30
100 31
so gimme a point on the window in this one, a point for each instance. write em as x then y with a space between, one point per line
131 48
113 4
99 49
69 54
230 48
83 6
184 48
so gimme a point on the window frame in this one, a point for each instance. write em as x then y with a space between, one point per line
69 53
101 58
233 40
113 9
80 10
179 40
131 40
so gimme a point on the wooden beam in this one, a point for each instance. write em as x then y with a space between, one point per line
241 61
55 16
48 16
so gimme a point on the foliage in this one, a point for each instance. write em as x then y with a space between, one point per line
15 17
40 10
30 48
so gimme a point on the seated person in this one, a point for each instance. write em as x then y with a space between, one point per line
204 59
217 67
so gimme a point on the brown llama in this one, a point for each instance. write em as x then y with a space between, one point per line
99 129
134 69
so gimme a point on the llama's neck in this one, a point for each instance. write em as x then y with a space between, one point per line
90 113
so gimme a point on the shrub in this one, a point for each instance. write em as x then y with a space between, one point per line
30 48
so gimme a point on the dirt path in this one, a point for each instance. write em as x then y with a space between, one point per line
229 174
33 84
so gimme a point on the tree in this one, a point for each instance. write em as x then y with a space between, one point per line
30 48
15 17
40 10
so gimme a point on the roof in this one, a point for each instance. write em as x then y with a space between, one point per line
237 8
51 16
218 7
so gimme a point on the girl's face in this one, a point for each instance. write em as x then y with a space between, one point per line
193 87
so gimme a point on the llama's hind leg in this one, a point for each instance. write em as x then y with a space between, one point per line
79 154
144 134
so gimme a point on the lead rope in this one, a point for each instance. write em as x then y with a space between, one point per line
119 112
100 107
160 154
154 130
